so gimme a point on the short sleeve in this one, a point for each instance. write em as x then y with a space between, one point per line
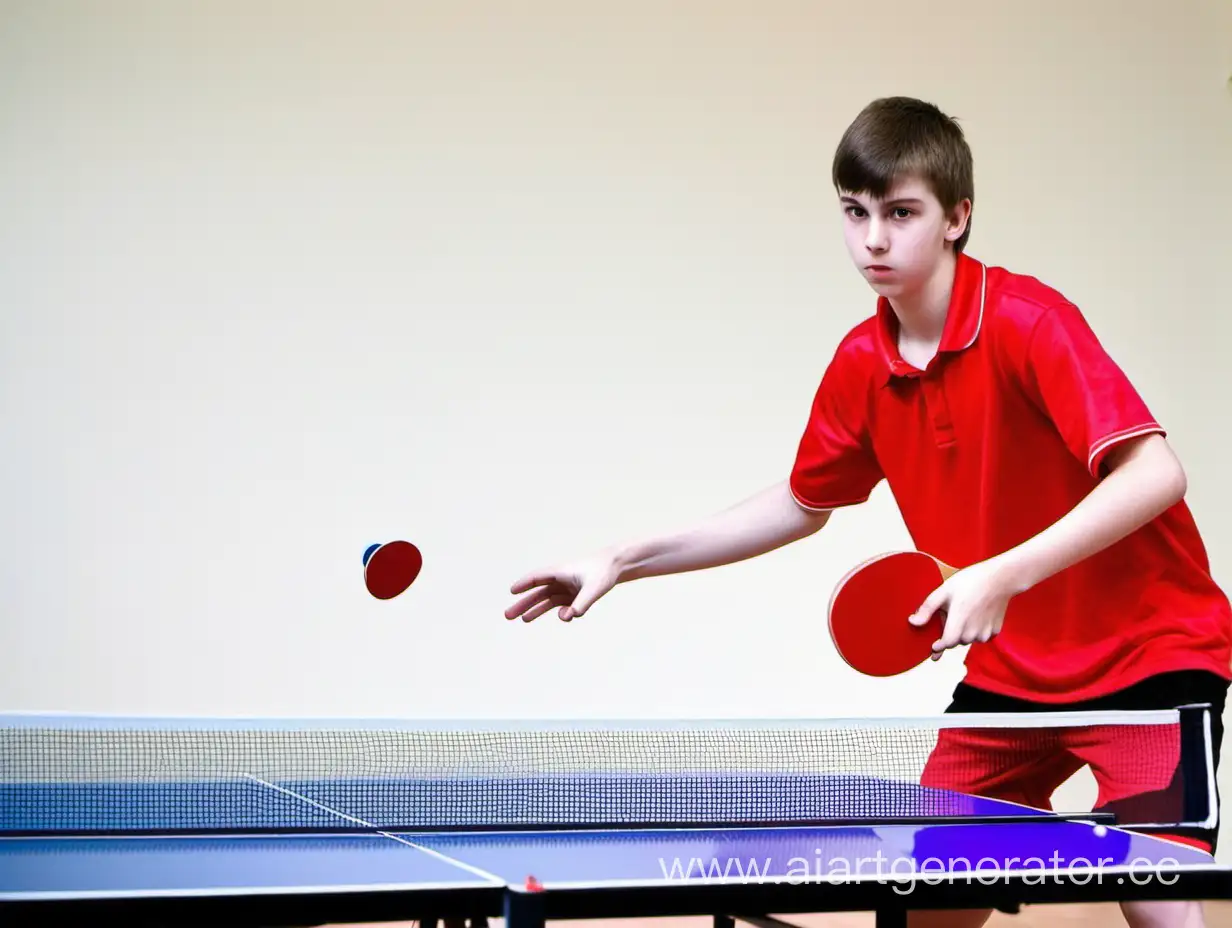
1088 397
834 464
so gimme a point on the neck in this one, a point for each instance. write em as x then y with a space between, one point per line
922 312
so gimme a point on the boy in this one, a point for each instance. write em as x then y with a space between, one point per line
1016 450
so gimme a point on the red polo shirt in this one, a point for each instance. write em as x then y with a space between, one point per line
1001 435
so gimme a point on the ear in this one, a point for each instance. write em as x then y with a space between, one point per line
957 220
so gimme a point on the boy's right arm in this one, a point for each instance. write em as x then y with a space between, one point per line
766 521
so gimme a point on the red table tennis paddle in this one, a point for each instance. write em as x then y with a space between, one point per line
870 607
389 569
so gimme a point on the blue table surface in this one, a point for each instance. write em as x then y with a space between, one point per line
84 866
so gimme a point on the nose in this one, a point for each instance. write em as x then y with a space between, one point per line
875 238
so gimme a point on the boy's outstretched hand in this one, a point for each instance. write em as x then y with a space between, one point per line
573 588
973 601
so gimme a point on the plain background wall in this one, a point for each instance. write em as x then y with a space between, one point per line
514 281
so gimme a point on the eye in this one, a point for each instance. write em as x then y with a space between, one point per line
856 212
902 212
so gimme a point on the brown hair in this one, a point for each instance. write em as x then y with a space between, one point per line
894 137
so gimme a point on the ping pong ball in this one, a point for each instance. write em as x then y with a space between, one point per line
1100 831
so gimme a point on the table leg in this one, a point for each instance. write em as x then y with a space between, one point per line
523 910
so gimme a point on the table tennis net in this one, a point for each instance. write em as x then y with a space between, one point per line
92 775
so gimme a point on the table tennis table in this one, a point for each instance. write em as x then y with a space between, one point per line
152 821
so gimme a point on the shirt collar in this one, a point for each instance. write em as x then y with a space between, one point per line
963 319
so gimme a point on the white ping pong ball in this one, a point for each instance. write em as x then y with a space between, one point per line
1100 831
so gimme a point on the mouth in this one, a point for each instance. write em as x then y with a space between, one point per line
877 267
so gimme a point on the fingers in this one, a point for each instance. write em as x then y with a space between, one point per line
571 590
538 606
545 590
935 601
552 602
956 632
961 629
530 581
526 602
991 630
951 636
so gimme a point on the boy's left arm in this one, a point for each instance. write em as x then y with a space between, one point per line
1144 478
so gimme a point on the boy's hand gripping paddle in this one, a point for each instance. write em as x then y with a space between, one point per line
870 607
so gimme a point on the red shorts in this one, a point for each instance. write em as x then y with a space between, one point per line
1137 768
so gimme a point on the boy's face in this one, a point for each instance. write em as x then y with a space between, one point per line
898 242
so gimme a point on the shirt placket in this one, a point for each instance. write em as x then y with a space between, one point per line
938 407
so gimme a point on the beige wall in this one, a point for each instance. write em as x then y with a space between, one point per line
280 280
